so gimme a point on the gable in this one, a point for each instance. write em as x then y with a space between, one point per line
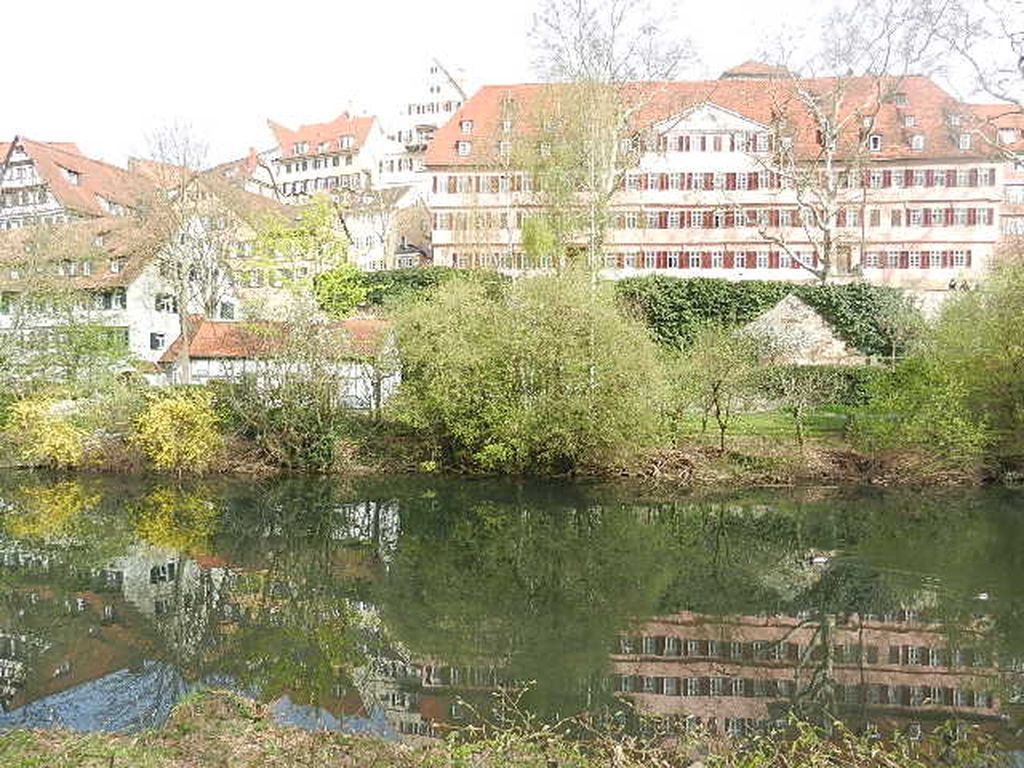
796 334
708 117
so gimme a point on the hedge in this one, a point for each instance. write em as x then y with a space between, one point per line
870 318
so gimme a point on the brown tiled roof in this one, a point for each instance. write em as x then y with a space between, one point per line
163 175
317 133
234 340
95 178
97 240
997 116
752 68
764 101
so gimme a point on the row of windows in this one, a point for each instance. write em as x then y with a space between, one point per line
697 259
955 259
316 163
308 186
739 687
115 298
344 142
65 268
729 218
762 650
25 197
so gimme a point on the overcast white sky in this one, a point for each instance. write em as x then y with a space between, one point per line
107 73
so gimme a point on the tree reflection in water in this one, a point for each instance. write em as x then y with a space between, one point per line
403 604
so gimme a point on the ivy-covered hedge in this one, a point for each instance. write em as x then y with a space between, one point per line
870 318
394 284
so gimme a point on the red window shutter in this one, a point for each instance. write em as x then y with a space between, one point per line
908 178
773 217
709 181
752 180
968 259
718 143
949 217
904 259
663 220
947 259
950 178
973 177
773 260
703 143
728 260
705 260
451 185
886 179
926 217
989 216
435 184
643 181
897 218
688 181
929 178
972 216
730 181
841 218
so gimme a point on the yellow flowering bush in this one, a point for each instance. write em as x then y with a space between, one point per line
178 431
43 435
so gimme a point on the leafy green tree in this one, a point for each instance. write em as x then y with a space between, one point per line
922 407
718 374
315 238
979 340
543 376
340 290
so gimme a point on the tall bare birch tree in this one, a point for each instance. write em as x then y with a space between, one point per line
582 129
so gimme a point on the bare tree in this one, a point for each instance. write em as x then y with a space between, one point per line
823 121
197 232
582 130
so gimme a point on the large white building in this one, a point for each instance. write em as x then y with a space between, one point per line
923 181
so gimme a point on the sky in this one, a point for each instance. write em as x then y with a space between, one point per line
108 74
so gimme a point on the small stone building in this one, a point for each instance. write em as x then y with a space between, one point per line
795 334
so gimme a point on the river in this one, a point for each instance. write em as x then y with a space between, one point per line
407 606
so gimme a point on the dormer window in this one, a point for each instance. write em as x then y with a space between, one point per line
917 142
345 142
964 141
116 265
504 148
322 147
875 142
899 99
867 121
908 121
73 177
463 148
466 126
300 148
506 126
1007 135
954 119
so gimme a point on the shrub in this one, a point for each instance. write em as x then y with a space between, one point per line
45 433
178 431
544 375
395 285
921 406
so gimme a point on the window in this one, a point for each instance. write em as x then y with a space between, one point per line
875 180
227 310
716 686
914 260
739 261
164 302
917 142
785 262
742 181
651 219
674 219
694 262
964 141
919 177
1007 135
762 260
463 148
504 148
785 218
673 260
157 340
761 144
717 259
959 258
300 148
899 99
875 142
871 260
960 217
914 217
466 126
73 177
908 121
650 262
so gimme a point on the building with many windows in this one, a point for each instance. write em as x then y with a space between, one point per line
53 182
738 178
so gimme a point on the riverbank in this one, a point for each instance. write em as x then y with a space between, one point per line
222 729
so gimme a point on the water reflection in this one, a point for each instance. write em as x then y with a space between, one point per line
400 606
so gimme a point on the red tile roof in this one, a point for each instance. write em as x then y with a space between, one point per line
96 179
752 68
761 100
233 340
316 134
